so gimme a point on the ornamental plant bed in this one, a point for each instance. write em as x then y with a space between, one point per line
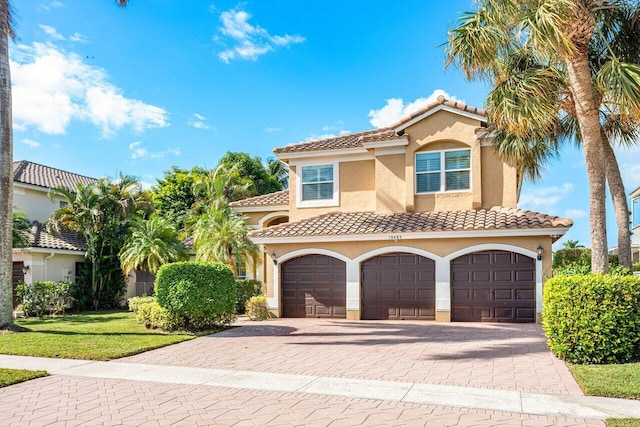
102 335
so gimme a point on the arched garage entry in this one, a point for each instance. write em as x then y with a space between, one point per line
493 286
398 286
314 286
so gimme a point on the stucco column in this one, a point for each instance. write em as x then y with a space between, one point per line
538 290
443 290
274 301
353 290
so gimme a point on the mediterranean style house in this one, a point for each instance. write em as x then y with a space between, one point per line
415 221
50 256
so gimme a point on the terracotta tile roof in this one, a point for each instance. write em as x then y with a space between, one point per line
441 101
279 198
352 140
45 176
369 223
39 237
355 140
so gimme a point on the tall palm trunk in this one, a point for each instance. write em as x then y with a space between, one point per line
587 113
6 172
620 205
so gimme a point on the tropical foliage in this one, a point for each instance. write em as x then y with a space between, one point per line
537 56
20 231
173 195
102 212
152 243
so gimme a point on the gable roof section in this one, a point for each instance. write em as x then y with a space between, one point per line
371 226
279 198
39 237
47 177
394 132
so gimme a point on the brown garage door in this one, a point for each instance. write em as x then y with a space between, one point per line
493 286
314 286
398 286
18 276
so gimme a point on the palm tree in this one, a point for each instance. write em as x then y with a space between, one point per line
221 185
21 228
220 234
152 243
572 244
279 170
555 32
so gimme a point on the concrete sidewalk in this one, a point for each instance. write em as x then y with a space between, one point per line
517 402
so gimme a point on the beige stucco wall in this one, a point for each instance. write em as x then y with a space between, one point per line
253 219
390 183
44 267
357 190
499 181
34 203
442 131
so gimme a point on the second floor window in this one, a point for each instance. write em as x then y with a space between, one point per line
635 208
317 182
440 171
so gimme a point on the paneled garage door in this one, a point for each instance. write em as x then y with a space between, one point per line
398 286
314 286
493 286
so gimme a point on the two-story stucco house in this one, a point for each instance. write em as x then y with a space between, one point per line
50 256
415 221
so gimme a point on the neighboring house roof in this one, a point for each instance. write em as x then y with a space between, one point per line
369 223
635 193
279 198
44 176
356 140
41 238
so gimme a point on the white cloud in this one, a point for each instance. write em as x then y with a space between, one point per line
31 143
52 87
51 32
78 38
138 151
575 213
198 121
51 5
396 109
545 199
272 129
248 41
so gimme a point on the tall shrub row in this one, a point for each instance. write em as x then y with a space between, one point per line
593 318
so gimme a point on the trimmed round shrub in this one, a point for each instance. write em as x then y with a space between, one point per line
246 288
257 308
593 318
204 294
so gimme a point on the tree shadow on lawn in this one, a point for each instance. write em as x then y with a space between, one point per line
93 334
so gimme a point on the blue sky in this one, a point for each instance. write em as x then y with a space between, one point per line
100 90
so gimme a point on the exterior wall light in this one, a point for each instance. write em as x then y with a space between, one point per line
273 257
25 269
540 250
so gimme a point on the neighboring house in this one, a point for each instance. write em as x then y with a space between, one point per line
415 221
50 256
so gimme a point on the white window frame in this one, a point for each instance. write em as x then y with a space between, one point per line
633 213
334 201
442 171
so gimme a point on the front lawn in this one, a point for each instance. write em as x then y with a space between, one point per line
609 380
623 422
92 335
15 376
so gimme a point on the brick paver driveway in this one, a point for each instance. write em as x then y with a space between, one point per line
512 357
499 356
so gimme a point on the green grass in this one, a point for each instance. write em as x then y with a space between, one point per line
15 376
623 422
609 380
92 335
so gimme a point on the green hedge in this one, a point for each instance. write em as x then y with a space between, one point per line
257 308
246 289
204 294
593 318
149 312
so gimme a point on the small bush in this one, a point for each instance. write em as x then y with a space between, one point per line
136 302
570 256
153 316
246 289
42 297
593 318
573 269
204 294
257 308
